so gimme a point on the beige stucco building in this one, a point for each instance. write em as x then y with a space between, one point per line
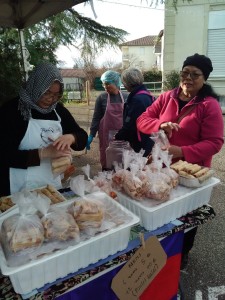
196 27
143 53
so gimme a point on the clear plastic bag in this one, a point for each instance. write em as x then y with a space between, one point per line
118 179
58 224
87 213
132 185
88 210
89 185
22 232
68 173
158 187
160 138
60 165
104 182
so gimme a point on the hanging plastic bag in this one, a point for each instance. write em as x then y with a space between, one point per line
23 231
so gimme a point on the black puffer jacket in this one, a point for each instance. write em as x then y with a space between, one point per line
136 104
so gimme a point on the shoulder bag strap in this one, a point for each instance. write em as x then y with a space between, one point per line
146 93
186 113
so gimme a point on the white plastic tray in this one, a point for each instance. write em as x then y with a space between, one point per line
194 182
7 211
186 200
37 273
16 206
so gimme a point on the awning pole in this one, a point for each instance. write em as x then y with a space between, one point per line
24 52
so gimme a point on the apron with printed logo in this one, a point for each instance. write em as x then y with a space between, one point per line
39 134
111 122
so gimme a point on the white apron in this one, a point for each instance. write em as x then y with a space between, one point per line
36 137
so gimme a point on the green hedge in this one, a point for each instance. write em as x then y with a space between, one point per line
172 80
152 76
98 84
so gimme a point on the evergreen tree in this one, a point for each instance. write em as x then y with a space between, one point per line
42 40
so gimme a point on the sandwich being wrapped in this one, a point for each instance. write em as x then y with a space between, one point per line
64 167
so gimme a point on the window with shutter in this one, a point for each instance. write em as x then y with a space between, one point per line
216 42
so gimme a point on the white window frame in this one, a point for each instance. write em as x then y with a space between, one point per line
216 42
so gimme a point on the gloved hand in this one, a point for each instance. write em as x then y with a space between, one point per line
89 141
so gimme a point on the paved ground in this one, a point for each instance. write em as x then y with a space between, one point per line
204 278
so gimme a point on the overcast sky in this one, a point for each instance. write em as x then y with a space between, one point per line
133 16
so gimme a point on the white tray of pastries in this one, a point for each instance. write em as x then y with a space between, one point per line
58 264
182 200
192 175
7 204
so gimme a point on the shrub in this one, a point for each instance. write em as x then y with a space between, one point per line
64 98
152 76
172 80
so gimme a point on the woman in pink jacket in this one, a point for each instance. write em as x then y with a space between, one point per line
192 119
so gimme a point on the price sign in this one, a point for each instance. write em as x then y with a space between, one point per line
140 270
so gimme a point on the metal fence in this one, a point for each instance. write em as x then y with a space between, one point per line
155 87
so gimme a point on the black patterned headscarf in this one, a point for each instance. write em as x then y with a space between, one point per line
39 81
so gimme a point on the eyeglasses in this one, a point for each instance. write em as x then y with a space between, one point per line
185 74
49 94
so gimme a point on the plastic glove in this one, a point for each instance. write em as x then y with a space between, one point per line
89 141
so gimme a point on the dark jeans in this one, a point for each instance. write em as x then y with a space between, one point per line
189 238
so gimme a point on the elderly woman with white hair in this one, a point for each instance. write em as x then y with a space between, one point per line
108 113
137 102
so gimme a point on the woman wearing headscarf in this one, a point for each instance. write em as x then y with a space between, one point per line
192 118
36 128
108 113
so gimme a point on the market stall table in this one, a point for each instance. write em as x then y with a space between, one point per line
94 282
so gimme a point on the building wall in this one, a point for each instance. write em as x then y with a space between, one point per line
68 80
183 38
186 33
73 83
142 57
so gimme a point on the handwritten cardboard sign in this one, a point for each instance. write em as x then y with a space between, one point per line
131 281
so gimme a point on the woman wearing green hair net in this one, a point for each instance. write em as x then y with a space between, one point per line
108 113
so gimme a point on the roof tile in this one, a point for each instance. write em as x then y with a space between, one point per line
72 73
148 40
